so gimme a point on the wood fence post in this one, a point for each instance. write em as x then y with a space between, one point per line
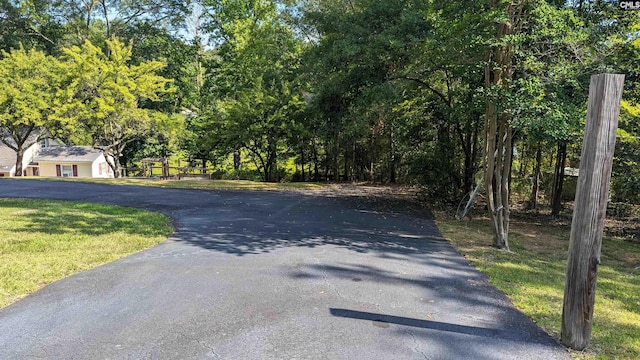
605 93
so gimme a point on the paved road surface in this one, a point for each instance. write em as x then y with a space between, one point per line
269 275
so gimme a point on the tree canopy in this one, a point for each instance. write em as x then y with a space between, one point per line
104 94
437 94
29 89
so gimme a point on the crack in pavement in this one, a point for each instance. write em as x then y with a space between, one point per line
211 349
416 348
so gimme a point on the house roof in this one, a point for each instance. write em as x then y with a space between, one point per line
7 157
68 154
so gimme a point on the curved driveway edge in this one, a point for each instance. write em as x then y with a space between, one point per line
269 275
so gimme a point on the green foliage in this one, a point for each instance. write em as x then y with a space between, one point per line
152 43
626 170
104 94
253 92
29 93
554 63
28 86
358 89
99 20
28 24
626 59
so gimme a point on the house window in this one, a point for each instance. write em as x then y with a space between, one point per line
102 168
44 143
67 171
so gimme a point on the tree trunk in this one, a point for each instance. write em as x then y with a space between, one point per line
558 181
116 169
336 153
114 153
353 163
533 200
523 157
19 158
346 163
273 168
371 151
302 159
504 209
467 182
473 166
392 158
500 175
498 132
237 163
316 171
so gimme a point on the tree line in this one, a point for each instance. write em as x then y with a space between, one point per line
438 94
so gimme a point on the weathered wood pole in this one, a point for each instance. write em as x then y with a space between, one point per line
605 92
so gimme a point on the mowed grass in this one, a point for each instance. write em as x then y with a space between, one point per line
533 276
43 241
198 184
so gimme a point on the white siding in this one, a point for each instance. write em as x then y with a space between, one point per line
29 154
95 168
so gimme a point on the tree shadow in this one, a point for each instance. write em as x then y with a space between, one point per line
244 227
87 219
418 323
455 282
260 242
460 295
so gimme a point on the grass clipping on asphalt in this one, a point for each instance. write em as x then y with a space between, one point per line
43 241
533 276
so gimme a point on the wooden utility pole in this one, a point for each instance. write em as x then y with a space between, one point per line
605 92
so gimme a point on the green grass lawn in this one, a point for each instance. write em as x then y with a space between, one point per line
43 241
533 276
198 184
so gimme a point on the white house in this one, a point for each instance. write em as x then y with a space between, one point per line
52 158
8 158
73 161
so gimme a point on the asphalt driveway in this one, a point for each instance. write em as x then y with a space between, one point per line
269 275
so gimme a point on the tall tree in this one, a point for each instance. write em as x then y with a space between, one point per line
498 132
105 93
252 84
539 63
100 20
29 23
29 86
